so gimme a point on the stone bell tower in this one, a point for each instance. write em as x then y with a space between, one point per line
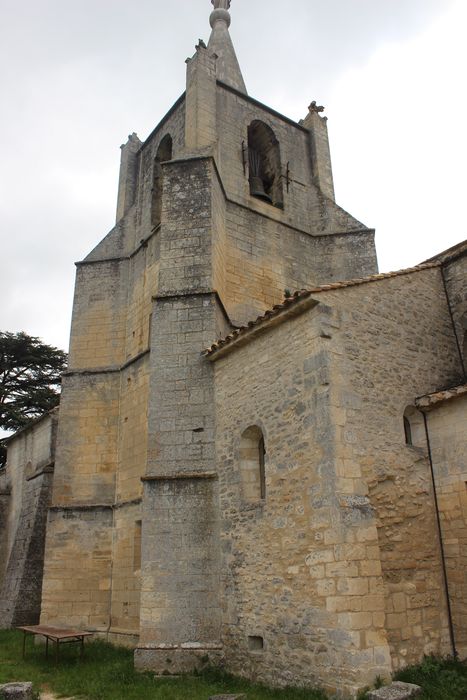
225 205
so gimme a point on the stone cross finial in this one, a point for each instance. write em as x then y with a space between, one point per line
221 4
315 107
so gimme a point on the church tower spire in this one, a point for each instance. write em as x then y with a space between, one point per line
220 44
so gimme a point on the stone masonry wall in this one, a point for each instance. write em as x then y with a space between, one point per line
20 596
126 573
455 274
392 350
87 440
133 430
99 316
180 614
5 498
263 258
77 571
174 125
301 568
28 479
448 437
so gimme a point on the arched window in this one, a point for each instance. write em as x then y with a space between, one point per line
164 153
252 465
407 431
414 427
264 164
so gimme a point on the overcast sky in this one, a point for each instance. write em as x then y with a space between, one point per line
77 77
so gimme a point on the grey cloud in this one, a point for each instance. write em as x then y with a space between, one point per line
77 77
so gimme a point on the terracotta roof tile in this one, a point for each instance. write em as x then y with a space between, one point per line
302 294
432 399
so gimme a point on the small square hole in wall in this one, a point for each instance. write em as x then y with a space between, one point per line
255 643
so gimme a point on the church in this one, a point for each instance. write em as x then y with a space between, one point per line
260 456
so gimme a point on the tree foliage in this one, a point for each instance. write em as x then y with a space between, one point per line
30 375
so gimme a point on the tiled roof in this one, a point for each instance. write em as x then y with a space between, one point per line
302 294
451 253
432 399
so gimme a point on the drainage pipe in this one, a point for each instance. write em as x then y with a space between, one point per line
441 543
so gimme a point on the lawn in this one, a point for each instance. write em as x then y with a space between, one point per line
107 673
440 679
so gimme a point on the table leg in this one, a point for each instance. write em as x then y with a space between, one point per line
82 647
24 644
46 647
56 651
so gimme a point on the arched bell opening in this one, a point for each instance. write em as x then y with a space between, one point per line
164 153
264 164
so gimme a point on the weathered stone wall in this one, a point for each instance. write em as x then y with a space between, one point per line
23 514
99 315
264 257
174 125
448 438
126 573
87 441
455 274
180 613
301 568
393 350
77 571
5 499
133 430
378 350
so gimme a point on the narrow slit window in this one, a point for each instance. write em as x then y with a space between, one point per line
407 431
137 546
252 465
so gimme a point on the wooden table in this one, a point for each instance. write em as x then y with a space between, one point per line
58 635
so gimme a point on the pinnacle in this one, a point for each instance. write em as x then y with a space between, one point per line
227 66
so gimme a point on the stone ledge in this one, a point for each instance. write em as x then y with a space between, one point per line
228 697
180 476
395 691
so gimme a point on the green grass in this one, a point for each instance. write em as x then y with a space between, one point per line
441 679
107 673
